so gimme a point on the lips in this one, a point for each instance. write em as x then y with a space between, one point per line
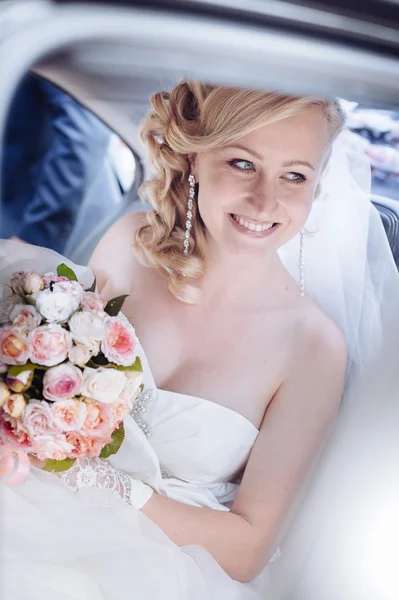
258 230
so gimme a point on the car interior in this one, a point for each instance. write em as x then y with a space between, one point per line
112 58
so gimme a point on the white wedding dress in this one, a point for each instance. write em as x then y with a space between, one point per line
91 545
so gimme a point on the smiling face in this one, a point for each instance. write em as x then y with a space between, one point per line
256 194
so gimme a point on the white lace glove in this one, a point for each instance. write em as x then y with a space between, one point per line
98 473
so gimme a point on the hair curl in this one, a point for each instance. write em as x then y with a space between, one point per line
194 118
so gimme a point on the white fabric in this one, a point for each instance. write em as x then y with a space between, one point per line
106 548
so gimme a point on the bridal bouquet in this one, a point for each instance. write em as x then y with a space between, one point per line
69 367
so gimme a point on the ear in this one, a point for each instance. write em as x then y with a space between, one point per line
192 160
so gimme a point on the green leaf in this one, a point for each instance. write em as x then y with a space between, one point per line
117 438
115 305
93 286
64 271
58 465
98 361
136 366
17 369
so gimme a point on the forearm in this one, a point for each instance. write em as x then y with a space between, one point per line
227 536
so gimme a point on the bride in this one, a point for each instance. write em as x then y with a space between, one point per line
239 298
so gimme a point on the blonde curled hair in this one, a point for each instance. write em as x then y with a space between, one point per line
194 118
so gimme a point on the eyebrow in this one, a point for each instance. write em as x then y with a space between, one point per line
288 163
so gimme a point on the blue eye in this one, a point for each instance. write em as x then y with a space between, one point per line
242 165
295 177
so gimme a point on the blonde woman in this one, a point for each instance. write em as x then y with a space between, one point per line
243 371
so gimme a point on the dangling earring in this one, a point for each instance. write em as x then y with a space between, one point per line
301 264
191 180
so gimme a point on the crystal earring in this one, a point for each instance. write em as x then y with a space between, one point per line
301 264
191 180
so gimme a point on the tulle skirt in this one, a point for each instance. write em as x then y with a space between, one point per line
91 545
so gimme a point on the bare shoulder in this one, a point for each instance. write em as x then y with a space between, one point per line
114 253
318 333
320 353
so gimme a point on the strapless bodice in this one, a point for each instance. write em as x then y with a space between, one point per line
186 447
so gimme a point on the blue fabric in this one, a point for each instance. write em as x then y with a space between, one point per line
53 150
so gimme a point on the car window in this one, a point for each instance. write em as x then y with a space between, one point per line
77 173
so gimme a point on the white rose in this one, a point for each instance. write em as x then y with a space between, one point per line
103 385
33 283
87 328
55 307
72 287
4 393
132 386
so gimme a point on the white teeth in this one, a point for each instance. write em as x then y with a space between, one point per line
252 226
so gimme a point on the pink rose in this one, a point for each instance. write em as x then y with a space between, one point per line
62 382
37 418
12 431
50 278
51 447
14 347
25 317
92 301
49 344
33 283
69 415
79 355
121 409
99 422
120 342
4 393
14 405
83 446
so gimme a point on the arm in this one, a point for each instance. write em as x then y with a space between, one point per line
292 434
79 142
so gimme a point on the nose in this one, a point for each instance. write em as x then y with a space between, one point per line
263 198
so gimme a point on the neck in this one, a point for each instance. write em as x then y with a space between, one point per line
239 277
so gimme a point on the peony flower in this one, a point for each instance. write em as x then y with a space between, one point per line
6 306
79 355
99 423
87 328
62 382
69 287
121 409
25 317
120 342
17 283
83 446
104 385
51 447
21 382
69 415
37 418
12 431
92 301
49 344
14 348
56 306
33 283
14 405
50 278
4 393
132 387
